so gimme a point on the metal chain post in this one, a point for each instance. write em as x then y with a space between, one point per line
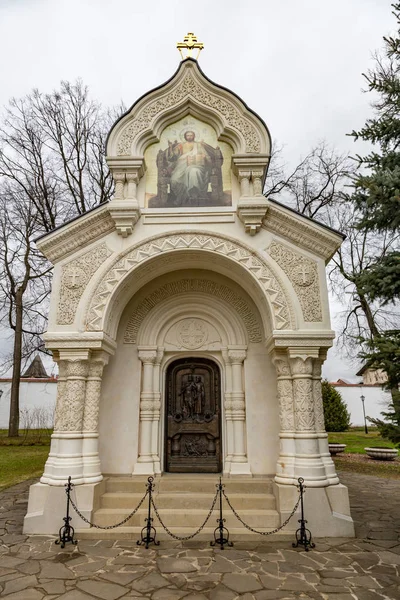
66 533
223 532
147 535
303 535
255 530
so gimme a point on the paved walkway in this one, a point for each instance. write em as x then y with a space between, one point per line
365 568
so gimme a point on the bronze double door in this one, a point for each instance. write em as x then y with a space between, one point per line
193 417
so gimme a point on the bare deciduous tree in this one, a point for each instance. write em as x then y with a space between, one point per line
52 168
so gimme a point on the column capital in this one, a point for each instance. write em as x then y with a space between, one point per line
148 355
236 355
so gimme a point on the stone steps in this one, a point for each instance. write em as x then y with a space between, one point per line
183 502
186 501
236 534
187 483
191 518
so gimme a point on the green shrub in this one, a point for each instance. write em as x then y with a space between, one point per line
337 417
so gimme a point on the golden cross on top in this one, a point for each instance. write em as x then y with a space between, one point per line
190 43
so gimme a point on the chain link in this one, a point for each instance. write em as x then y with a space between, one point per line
187 537
108 526
255 530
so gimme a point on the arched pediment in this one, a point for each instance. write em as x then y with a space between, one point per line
188 91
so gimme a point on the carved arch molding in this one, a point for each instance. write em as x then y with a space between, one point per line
241 254
189 88
204 286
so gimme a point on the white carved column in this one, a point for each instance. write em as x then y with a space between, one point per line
239 461
257 177
228 412
145 463
320 422
308 461
155 437
244 180
69 419
119 179
90 430
61 384
285 469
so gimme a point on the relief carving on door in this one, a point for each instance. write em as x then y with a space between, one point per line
193 419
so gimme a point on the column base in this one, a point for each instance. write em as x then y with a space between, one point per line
327 509
240 468
144 468
47 506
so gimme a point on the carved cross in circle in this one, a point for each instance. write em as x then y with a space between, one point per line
74 277
303 275
304 271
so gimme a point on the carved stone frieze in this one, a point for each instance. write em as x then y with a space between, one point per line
303 274
302 232
189 88
182 286
89 227
74 278
214 243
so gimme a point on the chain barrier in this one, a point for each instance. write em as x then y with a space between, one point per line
78 512
255 530
186 537
303 535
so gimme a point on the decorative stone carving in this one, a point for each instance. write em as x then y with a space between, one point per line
61 384
303 393
317 394
192 333
177 288
303 274
81 232
301 231
285 393
92 396
74 278
214 243
74 396
189 88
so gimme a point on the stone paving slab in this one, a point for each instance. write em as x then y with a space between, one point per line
364 568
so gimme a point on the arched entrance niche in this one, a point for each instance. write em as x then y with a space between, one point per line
189 313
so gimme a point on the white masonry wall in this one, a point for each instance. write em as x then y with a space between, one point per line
33 394
376 401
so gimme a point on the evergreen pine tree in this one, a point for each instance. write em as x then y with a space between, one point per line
337 417
377 197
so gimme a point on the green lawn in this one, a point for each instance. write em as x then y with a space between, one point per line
18 463
356 439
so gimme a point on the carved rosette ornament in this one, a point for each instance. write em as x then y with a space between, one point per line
303 393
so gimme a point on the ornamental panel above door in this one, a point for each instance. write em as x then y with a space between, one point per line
193 417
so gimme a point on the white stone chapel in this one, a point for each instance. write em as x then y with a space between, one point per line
189 319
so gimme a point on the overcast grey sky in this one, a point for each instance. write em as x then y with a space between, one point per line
297 63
